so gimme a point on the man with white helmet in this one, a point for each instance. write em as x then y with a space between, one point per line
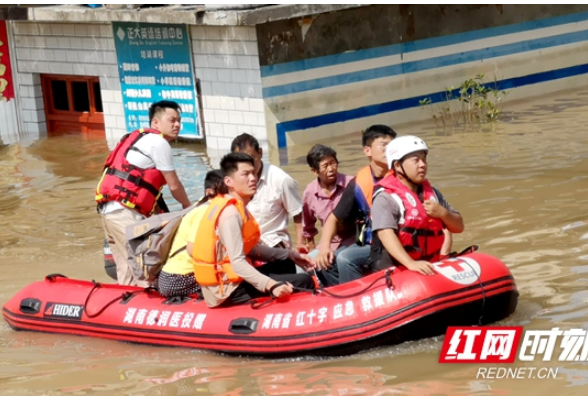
408 214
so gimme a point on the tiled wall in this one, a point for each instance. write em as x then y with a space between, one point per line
226 61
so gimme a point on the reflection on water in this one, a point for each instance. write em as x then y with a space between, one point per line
521 188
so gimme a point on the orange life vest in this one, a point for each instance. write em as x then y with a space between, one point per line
422 236
208 271
133 187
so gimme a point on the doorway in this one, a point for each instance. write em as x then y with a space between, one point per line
73 104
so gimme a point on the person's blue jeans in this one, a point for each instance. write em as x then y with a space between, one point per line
352 262
330 276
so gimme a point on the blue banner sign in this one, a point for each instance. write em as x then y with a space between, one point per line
155 63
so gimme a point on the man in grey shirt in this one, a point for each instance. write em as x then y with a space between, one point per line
408 214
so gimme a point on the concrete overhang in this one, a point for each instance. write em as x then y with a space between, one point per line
227 15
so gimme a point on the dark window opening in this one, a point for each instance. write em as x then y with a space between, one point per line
59 94
81 96
97 97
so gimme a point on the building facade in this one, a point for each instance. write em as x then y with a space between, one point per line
294 74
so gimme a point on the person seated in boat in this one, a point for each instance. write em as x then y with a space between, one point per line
319 199
277 198
228 239
177 276
408 214
353 209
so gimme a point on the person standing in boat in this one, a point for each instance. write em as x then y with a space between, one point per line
319 199
354 207
228 239
409 215
177 276
134 175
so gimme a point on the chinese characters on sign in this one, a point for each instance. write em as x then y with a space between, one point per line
155 63
6 83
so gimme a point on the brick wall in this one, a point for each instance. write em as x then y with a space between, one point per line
66 49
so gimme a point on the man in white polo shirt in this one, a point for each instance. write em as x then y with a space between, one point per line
276 199
135 172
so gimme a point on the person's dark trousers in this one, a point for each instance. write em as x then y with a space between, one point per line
246 291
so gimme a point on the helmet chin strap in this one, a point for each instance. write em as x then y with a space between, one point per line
403 174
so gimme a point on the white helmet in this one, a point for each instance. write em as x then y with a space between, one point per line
402 146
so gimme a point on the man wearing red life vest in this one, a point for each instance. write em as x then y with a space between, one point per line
134 175
408 214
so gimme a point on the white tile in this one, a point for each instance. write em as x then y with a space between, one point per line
67 68
253 34
107 95
253 76
212 32
62 42
261 119
216 61
255 62
91 69
118 96
241 104
206 88
71 56
226 32
23 53
233 90
215 129
247 90
39 41
27 116
239 75
54 68
106 109
21 28
219 88
56 30
259 132
201 61
241 32
34 29
197 32
236 117
80 30
117 109
227 103
44 29
79 69
250 48
221 116
207 74
28 104
209 116
221 47
110 121
39 115
224 143
212 102
257 91
243 129
93 30
244 62
106 30
25 91
68 30
256 105
109 57
250 118
59 55
236 48
121 123
211 142
76 43
230 130
207 47
90 43
224 75
36 91
196 47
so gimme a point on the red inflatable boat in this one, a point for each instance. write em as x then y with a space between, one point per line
387 307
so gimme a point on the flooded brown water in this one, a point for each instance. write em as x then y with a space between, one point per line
521 189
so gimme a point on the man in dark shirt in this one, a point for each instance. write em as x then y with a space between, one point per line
353 209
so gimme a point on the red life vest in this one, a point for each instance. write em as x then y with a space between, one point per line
133 187
421 235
